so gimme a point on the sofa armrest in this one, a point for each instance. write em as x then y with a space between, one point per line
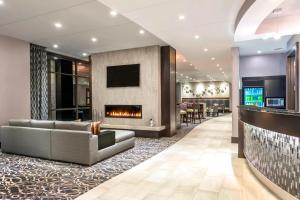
93 149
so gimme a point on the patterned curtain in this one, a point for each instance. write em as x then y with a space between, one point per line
38 82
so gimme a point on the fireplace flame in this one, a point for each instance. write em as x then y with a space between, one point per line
124 114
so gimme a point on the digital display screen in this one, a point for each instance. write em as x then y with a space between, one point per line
275 102
123 76
254 96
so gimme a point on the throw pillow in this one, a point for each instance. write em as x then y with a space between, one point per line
95 128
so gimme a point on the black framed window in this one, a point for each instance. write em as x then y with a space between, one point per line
69 88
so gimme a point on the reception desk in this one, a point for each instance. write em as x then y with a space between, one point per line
269 139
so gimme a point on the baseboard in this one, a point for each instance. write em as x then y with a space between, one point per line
235 140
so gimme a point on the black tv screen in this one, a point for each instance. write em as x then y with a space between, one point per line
123 76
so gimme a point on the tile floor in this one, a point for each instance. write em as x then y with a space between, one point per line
201 166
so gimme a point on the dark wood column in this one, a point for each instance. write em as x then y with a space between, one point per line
168 89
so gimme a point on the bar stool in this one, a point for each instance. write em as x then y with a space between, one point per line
183 113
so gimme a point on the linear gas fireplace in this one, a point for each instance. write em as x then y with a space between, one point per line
123 111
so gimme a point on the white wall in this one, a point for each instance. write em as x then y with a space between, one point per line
14 79
148 94
235 85
263 65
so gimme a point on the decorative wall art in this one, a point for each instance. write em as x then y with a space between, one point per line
205 90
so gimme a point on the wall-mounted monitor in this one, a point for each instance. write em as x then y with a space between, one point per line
275 102
253 96
123 76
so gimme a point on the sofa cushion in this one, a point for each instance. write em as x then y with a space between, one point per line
19 122
42 124
77 126
122 135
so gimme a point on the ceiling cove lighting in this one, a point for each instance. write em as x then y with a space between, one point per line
58 25
94 39
113 13
181 17
55 46
142 32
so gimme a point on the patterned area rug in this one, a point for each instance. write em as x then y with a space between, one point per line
32 178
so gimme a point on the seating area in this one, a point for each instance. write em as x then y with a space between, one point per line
149 99
62 141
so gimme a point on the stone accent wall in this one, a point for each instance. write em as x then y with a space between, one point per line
148 94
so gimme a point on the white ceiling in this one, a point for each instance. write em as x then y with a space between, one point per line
283 22
288 8
212 20
33 21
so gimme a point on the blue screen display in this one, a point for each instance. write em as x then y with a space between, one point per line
254 96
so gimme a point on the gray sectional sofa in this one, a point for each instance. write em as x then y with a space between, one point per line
61 141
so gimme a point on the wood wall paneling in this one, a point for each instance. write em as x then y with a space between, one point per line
168 89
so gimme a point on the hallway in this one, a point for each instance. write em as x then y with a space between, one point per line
203 165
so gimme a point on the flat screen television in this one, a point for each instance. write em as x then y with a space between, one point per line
123 76
253 96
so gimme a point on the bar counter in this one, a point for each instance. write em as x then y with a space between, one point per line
269 139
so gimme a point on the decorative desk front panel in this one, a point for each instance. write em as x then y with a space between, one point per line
275 155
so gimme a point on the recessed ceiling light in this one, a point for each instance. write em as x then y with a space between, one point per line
142 32
84 54
213 58
1 2
113 13
196 37
218 65
184 60
191 64
259 51
58 25
206 50
94 39
181 17
55 46
181 74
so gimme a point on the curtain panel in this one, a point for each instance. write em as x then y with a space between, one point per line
38 82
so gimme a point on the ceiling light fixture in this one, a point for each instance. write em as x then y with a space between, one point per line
218 65
142 32
196 37
191 64
55 46
184 60
84 54
58 25
205 50
1 2
94 39
259 52
213 58
181 17
113 13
